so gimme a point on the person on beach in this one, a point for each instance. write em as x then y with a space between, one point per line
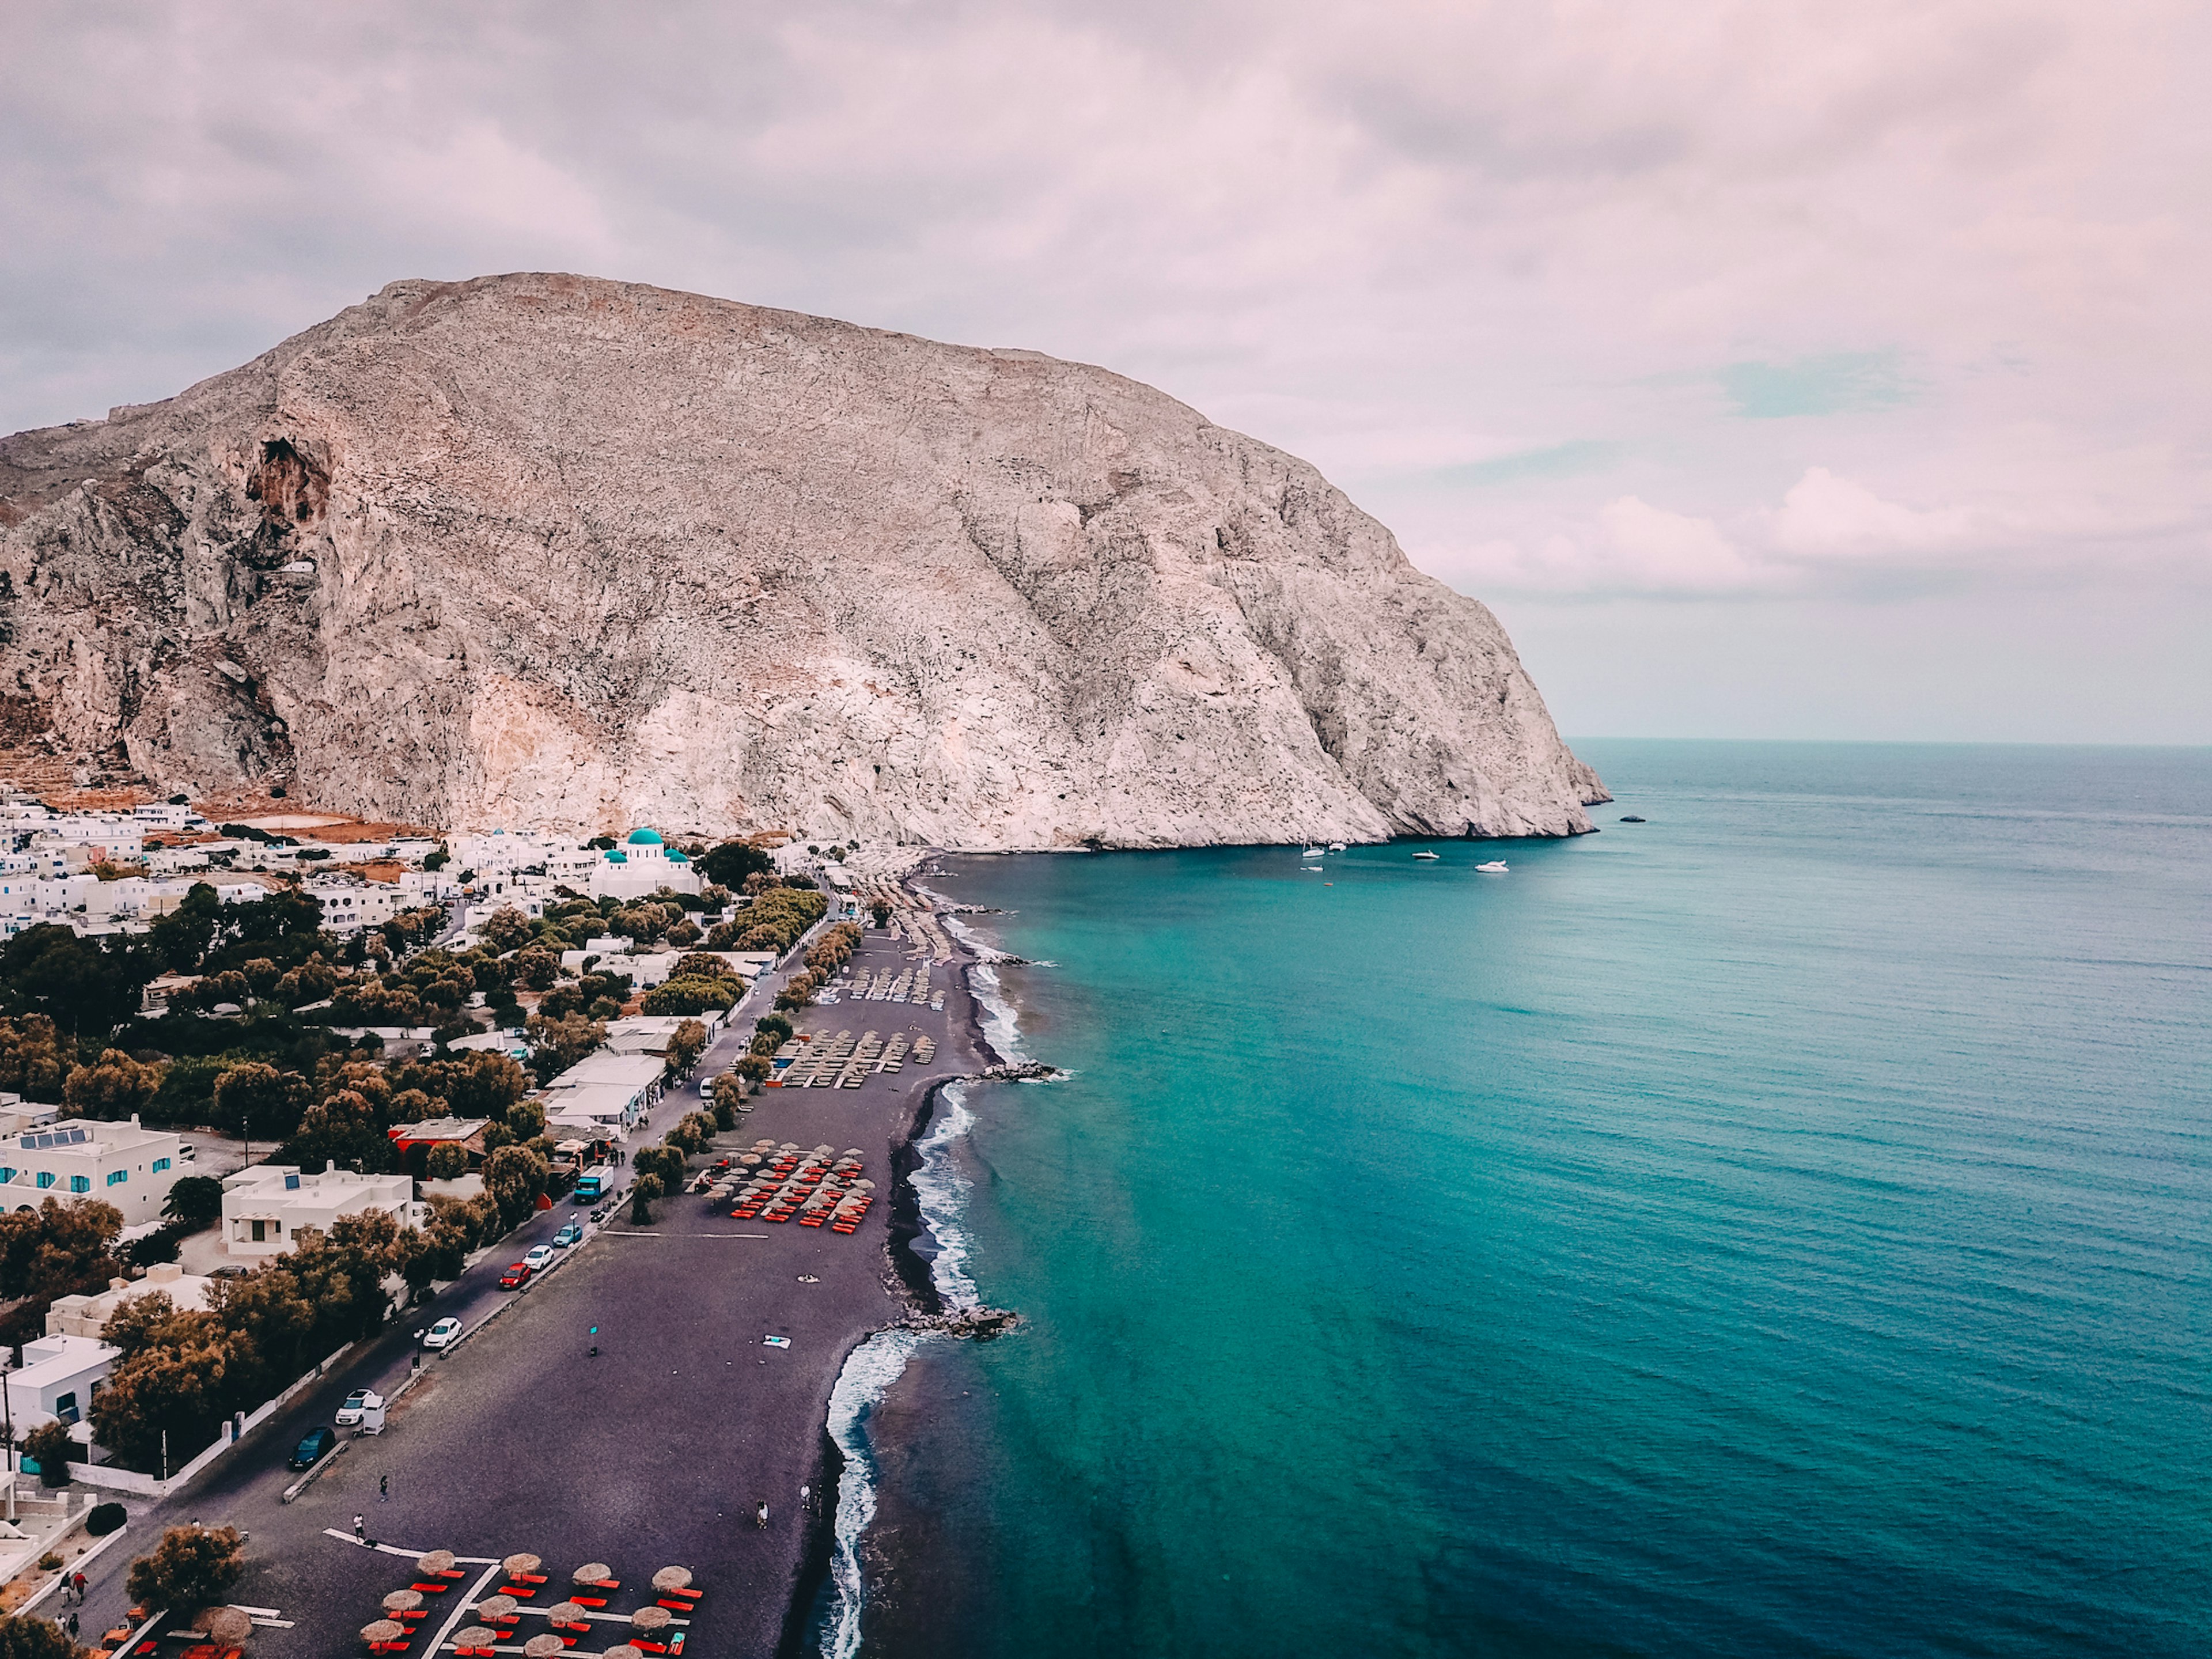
760 1517
360 1529
76 1584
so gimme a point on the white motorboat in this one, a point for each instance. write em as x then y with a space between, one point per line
1315 868
1310 853
1495 867
1427 855
1336 847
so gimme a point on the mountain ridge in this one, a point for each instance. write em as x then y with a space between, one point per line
562 552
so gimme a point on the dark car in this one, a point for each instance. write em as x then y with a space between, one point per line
313 1449
515 1277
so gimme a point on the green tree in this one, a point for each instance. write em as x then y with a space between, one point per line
85 987
173 1381
692 995
194 1200
192 1568
881 911
32 1060
729 864
563 999
255 1096
23 1636
58 1249
567 1040
183 937
755 1068
643 1192
506 929
48 1446
446 1161
526 1120
343 1128
535 968
514 1177
685 1045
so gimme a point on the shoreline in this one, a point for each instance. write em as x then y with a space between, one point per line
909 1274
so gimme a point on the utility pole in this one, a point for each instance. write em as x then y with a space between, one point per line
8 1409
165 1458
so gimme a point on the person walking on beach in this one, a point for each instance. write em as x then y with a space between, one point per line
383 1488
760 1516
360 1529
76 1584
71 1627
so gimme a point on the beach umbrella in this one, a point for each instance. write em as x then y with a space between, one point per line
825 1149
866 1185
623 1650
649 1619
435 1561
227 1626
672 1578
564 1613
383 1629
498 1609
853 1151
402 1600
475 1639
514 1565
543 1647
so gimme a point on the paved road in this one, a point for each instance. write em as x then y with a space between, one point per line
654 1453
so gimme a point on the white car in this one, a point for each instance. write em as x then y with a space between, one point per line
357 1405
539 1257
442 1335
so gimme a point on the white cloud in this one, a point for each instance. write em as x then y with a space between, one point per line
1827 517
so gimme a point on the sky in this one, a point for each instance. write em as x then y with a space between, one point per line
1773 370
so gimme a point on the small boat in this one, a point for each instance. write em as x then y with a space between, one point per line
1427 855
1315 868
1336 847
1495 867
1310 853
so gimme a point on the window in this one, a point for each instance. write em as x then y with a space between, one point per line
45 1177
6 1175
65 1406
80 1183
258 1229
160 1164
117 1177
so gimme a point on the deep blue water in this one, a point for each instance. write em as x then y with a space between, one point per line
1780 1227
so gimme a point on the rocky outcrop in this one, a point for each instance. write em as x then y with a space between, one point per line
545 550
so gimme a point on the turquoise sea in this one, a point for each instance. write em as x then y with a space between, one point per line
1780 1227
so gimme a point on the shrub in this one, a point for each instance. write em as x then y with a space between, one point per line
192 1567
105 1518
49 1445
446 1161
643 1192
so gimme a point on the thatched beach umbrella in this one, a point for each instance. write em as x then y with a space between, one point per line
496 1609
517 1565
435 1561
649 1619
569 1614
383 1629
672 1578
543 1647
474 1638
623 1650
866 1185
402 1600
227 1626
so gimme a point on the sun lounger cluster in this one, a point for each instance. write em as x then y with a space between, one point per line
525 1617
881 985
817 1188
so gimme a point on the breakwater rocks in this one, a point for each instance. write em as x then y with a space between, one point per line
977 1324
545 550
1029 1071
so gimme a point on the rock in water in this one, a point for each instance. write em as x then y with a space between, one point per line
549 551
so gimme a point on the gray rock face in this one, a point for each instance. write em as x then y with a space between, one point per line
540 550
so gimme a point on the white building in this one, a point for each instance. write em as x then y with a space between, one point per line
56 1379
87 1316
604 1093
119 1163
651 1034
264 1207
642 865
349 907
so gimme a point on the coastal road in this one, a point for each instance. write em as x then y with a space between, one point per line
655 1452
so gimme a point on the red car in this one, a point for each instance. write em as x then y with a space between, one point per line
515 1277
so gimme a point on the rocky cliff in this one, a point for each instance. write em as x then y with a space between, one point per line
545 550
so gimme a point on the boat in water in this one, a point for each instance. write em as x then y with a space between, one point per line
1336 847
1495 867
1427 855
1310 853
1315 868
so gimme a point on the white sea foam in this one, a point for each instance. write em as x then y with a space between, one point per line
869 1372
941 1191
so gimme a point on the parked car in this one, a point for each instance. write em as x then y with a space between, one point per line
537 1258
358 1404
516 1276
571 1234
442 1334
313 1448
